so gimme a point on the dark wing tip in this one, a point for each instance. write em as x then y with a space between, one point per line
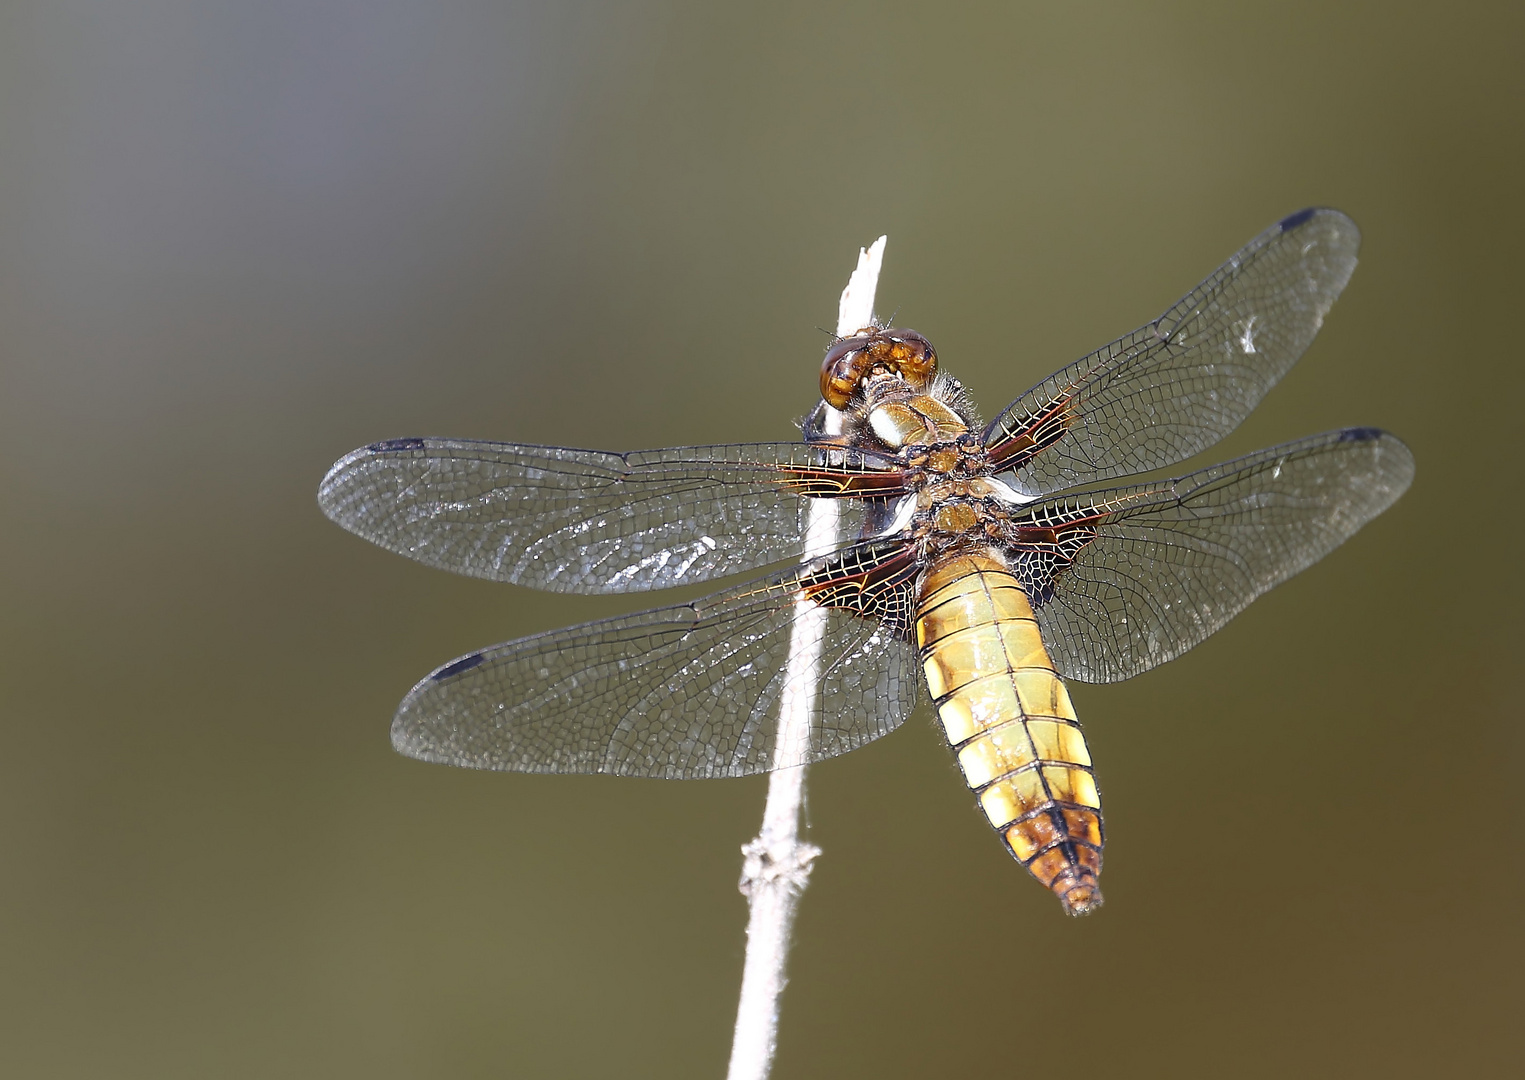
389 445
455 667
1293 221
1397 460
331 488
1361 434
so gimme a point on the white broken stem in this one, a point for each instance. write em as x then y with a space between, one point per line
776 864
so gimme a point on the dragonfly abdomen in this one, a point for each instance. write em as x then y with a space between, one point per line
1008 718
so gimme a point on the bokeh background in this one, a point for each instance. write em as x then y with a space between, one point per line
239 238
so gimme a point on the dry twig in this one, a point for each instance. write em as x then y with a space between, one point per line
777 863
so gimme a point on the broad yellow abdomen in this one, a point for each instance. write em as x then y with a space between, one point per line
1009 719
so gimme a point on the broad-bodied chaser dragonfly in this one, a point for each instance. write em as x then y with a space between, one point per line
989 560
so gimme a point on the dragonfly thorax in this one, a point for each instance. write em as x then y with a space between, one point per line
918 420
954 512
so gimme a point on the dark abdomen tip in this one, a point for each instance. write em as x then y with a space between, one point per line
1080 895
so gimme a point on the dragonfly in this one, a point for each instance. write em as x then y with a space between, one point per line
986 563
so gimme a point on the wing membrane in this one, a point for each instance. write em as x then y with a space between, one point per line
587 521
1170 563
681 692
1180 383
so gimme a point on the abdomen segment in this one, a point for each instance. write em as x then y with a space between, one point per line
1009 719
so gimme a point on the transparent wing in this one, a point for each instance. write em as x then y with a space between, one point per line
689 691
1129 578
1177 385
593 522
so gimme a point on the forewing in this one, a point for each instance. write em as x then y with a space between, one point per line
689 691
1178 384
588 521
1167 564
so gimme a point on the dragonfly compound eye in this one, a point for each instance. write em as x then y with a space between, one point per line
910 355
844 367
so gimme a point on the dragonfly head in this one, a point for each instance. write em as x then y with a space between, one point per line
853 360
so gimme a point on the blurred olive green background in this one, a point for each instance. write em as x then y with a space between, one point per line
238 239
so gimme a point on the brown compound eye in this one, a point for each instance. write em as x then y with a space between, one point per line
912 357
843 369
